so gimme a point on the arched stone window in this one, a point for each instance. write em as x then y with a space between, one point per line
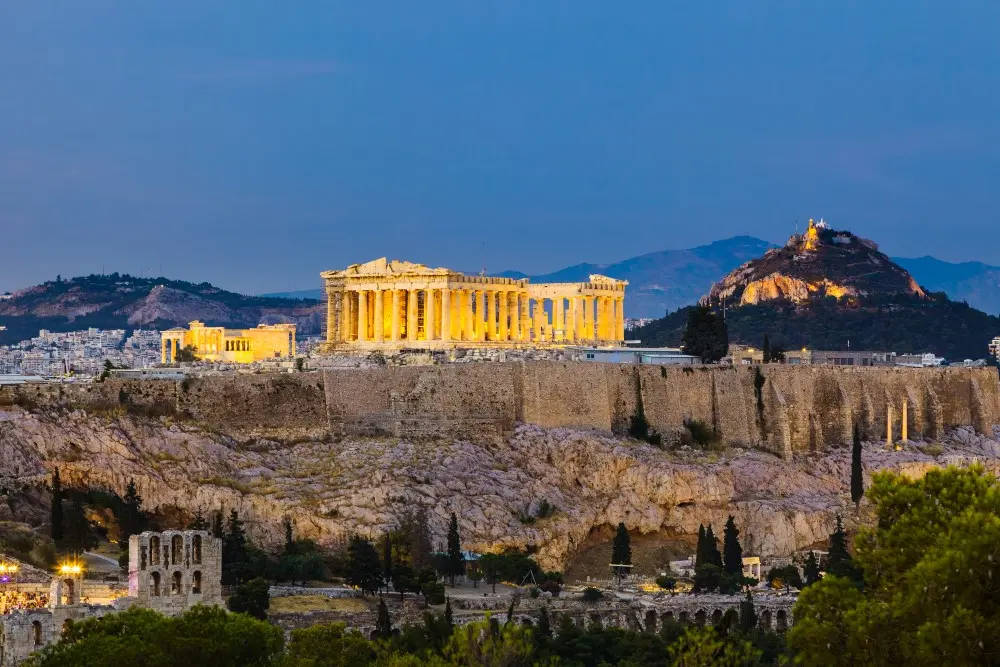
684 618
650 621
154 550
67 624
175 583
176 549
196 549
67 590
781 620
154 583
765 619
666 618
716 616
36 632
196 582
699 617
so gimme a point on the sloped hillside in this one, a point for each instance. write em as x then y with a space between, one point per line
126 302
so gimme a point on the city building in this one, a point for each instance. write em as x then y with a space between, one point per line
266 341
660 356
995 347
392 305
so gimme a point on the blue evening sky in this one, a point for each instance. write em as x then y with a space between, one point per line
254 144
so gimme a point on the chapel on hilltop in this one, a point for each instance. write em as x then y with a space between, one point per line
386 304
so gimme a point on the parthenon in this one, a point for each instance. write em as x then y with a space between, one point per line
394 304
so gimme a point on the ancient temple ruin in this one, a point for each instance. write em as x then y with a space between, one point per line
393 305
168 572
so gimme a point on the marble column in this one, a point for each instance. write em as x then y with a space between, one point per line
430 314
480 315
515 316
331 317
411 315
491 314
525 318
394 317
620 319
539 315
558 323
379 334
362 321
588 318
571 321
468 322
445 314
502 332
601 319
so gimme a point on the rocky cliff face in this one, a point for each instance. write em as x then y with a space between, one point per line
820 262
331 488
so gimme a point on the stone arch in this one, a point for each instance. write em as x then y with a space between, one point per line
68 590
196 582
781 620
36 632
196 549
176 549
595 620
154 550
699 617
67 624
154 584
684 618
176 583
765 619
716 617
730 618
650 625
666 617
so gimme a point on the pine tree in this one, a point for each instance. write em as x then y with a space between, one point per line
857 480
712 548
363 567
234 551
748 615
811 569
544 624
448 618
198 522
387 559
732 550
838 546
701 553
383 624
456 561
58 530
133 518
289 537
767 350
217 528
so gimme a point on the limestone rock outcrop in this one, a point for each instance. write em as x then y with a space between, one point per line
335 487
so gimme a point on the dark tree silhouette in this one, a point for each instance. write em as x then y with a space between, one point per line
857 479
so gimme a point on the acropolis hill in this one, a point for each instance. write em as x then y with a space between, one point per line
347 450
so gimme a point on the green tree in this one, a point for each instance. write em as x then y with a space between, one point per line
198 522
448 616
838 559
702 555
712 548
544 624
253 598
857 479
732 551
705 647
217 527
363 567
706 335
748 614
621 551
810 570
480 644
329 645
930 587
787 575
234 551
132 520
767 350
57 508
383 624
492 568
78 535
666 582
387 567
456 561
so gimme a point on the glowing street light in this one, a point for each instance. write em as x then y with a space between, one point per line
70 568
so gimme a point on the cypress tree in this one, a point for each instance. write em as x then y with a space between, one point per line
748 614
132 511
731 546
448 618
289 538
198 522
383 624
510 613
621 550
217 529
701 553
712 548
234 551
57 508
767 350
387 559
838 546
857 480
811 569
456 562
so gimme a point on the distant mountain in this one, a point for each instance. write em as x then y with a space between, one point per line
663 281
828 289
308 294
117 301
973 282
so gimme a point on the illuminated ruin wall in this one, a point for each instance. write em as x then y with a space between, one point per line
783 409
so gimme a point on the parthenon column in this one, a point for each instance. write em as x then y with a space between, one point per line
445 313
362 321
558 325
456 314
602 318
491 314
379 334
620 318
394 316
331 319
538 315
571 321
524 334
515 317
588 318
430 326
504 297
468 323
411 315
480 315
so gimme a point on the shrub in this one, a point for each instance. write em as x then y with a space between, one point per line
591 594
666 582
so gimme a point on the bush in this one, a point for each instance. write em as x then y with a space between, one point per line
780 577
591 594
666 582
253 598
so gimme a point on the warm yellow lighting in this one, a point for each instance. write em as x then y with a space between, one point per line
70 568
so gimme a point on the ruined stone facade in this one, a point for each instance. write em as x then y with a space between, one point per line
169 572
243 346
392 305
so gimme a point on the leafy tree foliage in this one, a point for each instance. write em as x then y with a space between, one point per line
331 645
383 624
253 598
143 638
931 579
198 522
787 575
235 565
456 561
810 570
363 567
706 335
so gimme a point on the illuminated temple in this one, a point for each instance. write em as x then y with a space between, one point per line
392 304
243 346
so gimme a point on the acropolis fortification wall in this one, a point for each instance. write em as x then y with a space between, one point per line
782 408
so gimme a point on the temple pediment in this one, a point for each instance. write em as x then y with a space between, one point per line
384 267
605 280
